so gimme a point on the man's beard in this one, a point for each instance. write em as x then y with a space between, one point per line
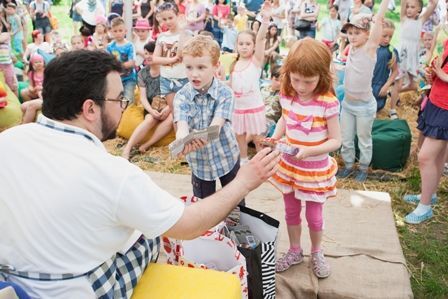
108 129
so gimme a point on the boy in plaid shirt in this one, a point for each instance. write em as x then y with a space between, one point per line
203 102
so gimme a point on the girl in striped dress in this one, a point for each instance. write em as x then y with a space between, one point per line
310 122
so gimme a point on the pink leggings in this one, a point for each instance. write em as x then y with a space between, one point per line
313 212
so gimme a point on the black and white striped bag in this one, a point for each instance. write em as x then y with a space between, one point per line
261 259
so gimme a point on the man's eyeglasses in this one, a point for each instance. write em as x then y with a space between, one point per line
124 101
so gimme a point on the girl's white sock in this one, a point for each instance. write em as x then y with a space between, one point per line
422 209
244 161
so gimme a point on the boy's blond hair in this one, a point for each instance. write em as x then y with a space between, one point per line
202 45
388 24
117 22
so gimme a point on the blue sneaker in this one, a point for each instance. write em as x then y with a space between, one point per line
414 219
361 176
415 198
344 173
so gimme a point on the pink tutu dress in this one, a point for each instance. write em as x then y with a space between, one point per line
249 113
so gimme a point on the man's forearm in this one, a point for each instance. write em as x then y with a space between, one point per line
211 210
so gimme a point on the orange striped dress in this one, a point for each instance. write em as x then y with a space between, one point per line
313 178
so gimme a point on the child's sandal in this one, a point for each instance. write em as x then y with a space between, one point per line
320 266
288 259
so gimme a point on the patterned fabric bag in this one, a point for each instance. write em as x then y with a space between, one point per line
212 250
261 259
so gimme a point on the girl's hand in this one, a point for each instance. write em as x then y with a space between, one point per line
437 67
266 11
303 153
156 114
429 74
383 91
164 113
177 59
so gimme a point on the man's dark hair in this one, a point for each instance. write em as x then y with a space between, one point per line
74 77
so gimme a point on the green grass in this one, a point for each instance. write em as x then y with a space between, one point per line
65 23
425 246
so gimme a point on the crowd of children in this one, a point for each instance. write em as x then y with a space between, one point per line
174 63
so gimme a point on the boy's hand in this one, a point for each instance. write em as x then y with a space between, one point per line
194 145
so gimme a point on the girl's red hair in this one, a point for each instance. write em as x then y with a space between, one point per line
308 58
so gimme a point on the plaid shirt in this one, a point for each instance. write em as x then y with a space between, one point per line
219 156
59 126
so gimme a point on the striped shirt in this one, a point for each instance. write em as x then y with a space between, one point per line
312 178
5 51
219 156
306 122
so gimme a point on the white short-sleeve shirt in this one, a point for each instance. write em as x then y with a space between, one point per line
66 206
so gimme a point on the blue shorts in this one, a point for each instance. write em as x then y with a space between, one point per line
43 25
129 89
171 85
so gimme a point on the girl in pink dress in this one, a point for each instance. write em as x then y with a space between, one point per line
249 120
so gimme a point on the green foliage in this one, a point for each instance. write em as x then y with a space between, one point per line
413 180
427 257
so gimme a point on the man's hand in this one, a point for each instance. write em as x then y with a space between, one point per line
261 167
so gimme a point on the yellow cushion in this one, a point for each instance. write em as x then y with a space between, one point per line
131 118
11 115
226 61
167 281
